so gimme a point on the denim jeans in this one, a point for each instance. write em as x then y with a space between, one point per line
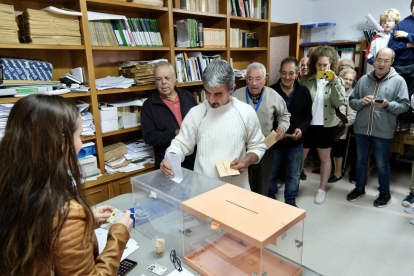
381 149
293 168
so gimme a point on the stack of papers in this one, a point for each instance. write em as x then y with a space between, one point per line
140 71
88 127
239 73
4 115
138 154
43 27
102 237
114 82
8 28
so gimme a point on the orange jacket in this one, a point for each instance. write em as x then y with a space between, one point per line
75 259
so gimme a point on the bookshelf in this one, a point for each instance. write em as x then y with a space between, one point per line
351 44
102 61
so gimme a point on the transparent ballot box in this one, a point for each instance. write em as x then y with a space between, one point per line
230 231
157 204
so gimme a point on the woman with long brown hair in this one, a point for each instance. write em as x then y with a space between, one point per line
326 96
46 226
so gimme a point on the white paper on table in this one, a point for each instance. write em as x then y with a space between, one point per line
174 160
185 272
102 236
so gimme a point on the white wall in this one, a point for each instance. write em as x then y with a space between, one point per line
348 15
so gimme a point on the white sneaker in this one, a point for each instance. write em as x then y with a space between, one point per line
409 210
320 197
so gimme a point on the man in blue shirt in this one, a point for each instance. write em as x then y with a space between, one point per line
402 42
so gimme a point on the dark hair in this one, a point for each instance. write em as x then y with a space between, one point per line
323 51
412 5
38 171
290 60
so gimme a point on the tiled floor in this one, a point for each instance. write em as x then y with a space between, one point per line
355 238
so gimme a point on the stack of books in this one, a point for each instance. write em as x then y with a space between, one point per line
191 33
158 3
190 66
242 39
249 8
131 32
211 6
8 28
140 71
42 27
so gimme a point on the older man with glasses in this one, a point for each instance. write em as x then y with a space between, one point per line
378 98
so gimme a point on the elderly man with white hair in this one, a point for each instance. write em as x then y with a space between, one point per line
222 127
273 114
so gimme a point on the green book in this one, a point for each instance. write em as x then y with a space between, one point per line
27 90
121 31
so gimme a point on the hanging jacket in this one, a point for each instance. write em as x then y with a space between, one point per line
379 122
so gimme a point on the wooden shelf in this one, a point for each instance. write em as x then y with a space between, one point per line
249 49
191 83
129 48
247 19
42 47
199 14
187 49
111 177
126 90
68 95
125 130
123 6
88 138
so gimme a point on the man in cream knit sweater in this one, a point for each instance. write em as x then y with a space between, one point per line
222 127
272 113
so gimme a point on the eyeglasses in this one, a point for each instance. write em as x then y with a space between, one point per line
175 260
344 65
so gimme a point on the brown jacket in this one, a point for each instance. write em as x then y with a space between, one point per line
75 259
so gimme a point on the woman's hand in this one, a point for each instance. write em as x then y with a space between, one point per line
102 213
125 220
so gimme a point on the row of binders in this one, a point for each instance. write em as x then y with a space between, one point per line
190 67
249 8
140 32
211 6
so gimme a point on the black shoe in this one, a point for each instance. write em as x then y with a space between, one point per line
293 204
318 170
383 199
303 175
408 200
355 195
333 179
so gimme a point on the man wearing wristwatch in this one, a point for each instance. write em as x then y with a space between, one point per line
378 98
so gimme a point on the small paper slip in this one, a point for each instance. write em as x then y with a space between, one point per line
156 268
224 169
289 135
102 237
270 139
184 272
174 160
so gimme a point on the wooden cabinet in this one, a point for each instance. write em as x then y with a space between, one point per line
97 194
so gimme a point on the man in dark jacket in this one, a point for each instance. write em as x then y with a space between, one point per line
299 103
163 113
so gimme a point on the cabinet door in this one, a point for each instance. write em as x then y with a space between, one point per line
123 185
97 194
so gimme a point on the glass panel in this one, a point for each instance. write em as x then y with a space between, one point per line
216 251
